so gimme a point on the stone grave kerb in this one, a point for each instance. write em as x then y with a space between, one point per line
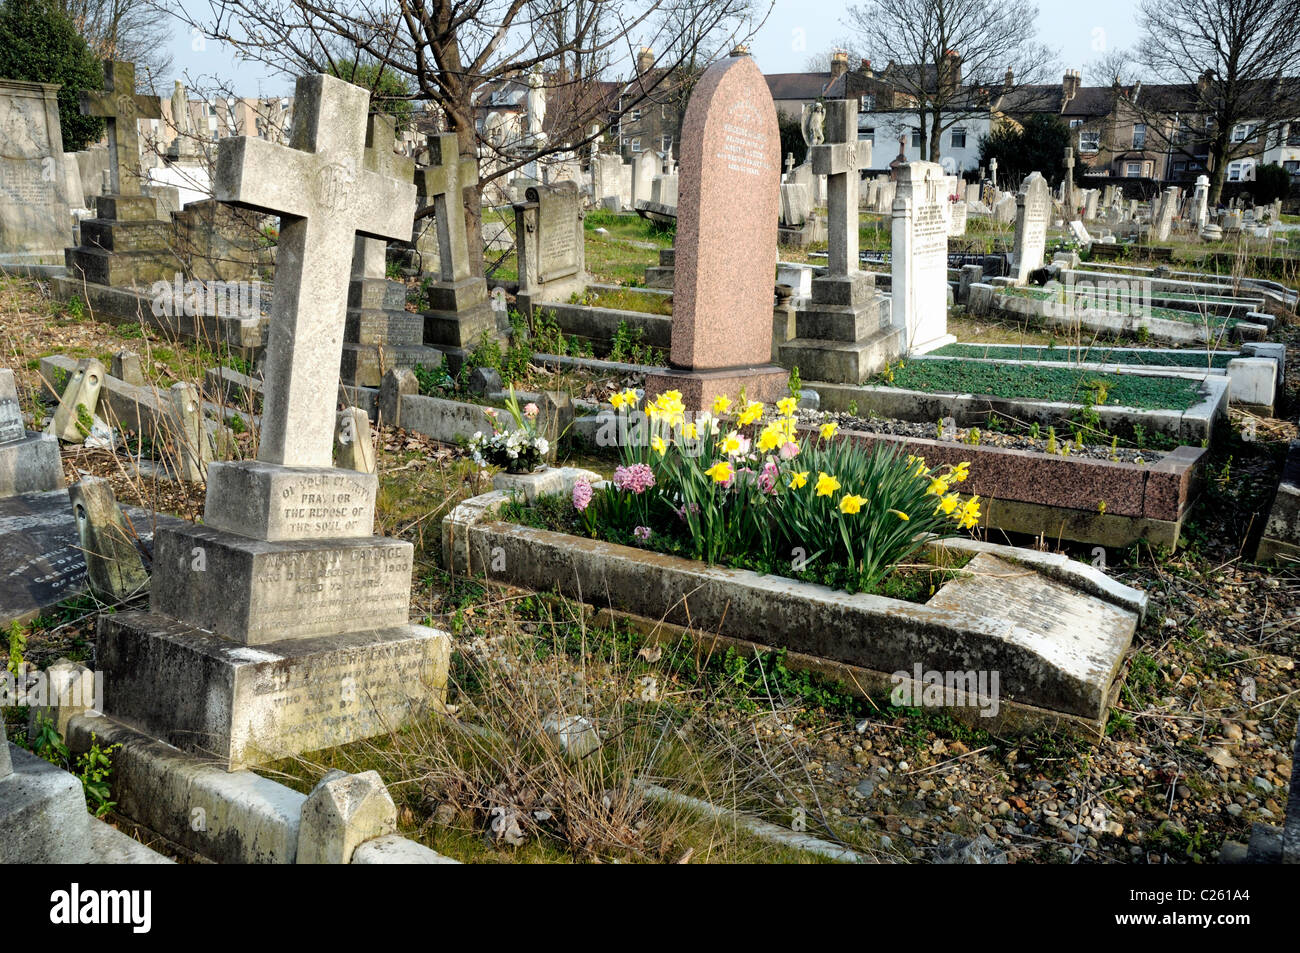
121 108
325 196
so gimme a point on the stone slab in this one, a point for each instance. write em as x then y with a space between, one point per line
274 503
241 706
43 817
254 592
30 464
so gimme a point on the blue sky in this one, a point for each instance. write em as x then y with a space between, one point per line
796 29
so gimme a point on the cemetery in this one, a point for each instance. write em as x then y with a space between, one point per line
414 492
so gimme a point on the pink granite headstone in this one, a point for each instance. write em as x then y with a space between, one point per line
727 209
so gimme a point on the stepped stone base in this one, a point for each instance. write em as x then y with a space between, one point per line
254 592
843 362
364 365
243 706
764 383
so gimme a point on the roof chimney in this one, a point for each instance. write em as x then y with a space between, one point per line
839 64
950 71
866 69
645 60
1070 84
1010 79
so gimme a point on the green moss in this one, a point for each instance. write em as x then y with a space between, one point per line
1028 382
1153 358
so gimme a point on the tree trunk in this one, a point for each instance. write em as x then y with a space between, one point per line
936 136
1218 171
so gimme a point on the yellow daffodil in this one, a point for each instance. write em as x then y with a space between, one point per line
851 504
826 484
798 479
771 438
721 404
900 514
720 471
690 432
970 514
948 504
658 446
829 430
731 443
786 406
938 486
752 414
621 399
960 472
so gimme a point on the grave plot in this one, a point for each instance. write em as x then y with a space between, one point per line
1054 308
1255 373
1054 630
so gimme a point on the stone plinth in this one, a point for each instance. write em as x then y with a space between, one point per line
269 502
244 706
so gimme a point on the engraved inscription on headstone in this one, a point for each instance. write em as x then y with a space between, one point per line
557 230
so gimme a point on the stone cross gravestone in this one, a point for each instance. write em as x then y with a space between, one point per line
122 110
280 624
843 333
730 176
549 245
36 197
1068 198
380 333
126 243
1033 205
459 311
919 263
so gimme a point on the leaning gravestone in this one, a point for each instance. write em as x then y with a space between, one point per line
36 197
549 244
1033 205
919 259
280 625
29 462
726 246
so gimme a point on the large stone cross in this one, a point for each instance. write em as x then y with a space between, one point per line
121 107
837 159
380 157
324 195
444 181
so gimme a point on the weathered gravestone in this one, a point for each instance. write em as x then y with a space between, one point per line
380 333
29 462
36 194
844 333
126 243
725 255
919 262
1033 205
459 311
114 567
1164 219
549 244
280 625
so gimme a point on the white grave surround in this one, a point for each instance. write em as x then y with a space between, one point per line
919 273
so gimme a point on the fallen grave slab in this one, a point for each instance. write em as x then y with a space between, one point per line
1058 647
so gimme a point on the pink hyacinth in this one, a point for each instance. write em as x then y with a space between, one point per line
636 479
642 533
767 479
581 495
789 451
530 410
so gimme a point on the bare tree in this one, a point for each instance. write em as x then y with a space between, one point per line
1231 66
125 30
943 51
448 51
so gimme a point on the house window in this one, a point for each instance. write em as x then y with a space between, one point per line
1242 132
634 116
867 103
1292 167
1243 170
665 144
1133 170
1089 140
916 138
867 135
636 145
1139 135
1076 123
1180 165
959 138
